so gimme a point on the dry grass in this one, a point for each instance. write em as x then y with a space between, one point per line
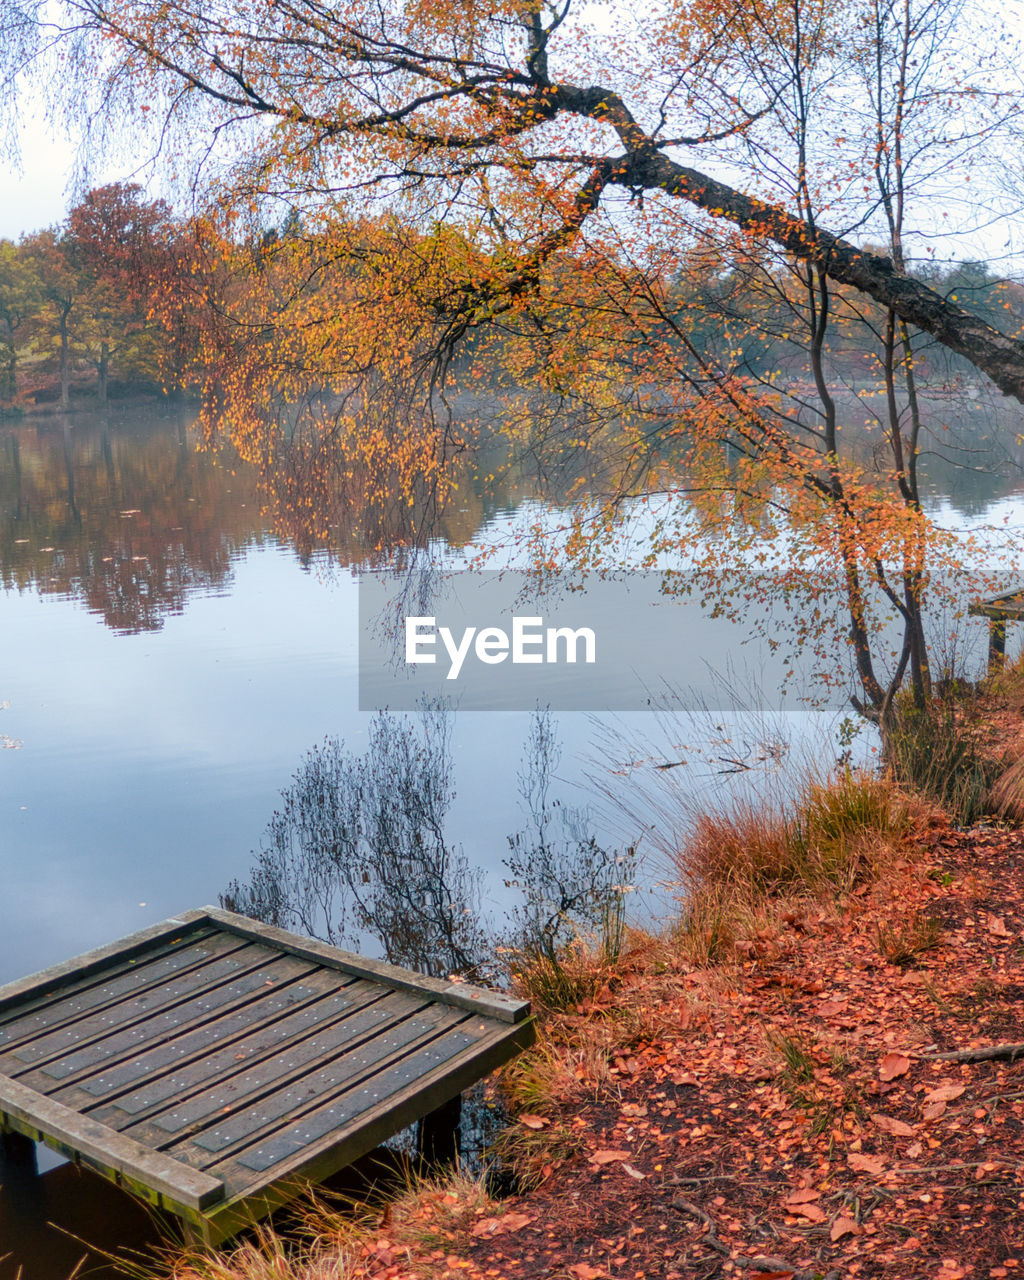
345 1240
1005 798
828 843
748 869
576 976
902 942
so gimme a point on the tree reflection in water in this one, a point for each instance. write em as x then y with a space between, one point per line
359 848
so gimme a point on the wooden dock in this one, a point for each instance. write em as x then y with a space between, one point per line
999 610
214 1065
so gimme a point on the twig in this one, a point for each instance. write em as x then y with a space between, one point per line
758 1262
959 1167
989 1054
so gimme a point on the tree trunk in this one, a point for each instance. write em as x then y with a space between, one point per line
9 379
65 361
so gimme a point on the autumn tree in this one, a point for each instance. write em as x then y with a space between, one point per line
60 287
20 299
515 193
119 244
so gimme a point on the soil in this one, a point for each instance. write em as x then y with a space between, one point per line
789 1116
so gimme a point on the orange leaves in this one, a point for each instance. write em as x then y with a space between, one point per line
803 1203
534 1122
996 927
898 1128
503 1224
892 1066
843 1227
608 1156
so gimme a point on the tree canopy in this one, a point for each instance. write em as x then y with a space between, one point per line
532 125
640 238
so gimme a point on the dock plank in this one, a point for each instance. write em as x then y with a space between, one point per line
104 989
260 1095
99 1046
25 1110
251 1191
25 992
379 1088
173 1068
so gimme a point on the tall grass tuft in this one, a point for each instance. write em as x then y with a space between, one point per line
934 751
750 863
827 842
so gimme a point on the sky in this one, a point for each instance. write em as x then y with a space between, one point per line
38 190
35 193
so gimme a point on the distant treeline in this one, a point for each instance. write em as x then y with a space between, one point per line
118 297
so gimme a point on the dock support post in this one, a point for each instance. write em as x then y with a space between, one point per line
996 645
437 1137
18 1154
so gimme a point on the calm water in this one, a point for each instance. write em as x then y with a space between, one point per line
165 663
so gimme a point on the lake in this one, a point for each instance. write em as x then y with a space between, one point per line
167 661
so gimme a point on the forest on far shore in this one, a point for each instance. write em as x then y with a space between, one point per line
110 302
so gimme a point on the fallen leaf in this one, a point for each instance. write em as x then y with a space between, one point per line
584 1271
897 1128
997 928
831 1007
503 1222
866 1164
486 1227
803 1196
516 1221
608 1156
843 1227
932 1110
893 1065
633 1173
534 1122
809 1211
945 1093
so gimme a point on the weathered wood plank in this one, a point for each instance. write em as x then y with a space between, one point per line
178 1066
84 966
251 1195
62 1056
145 976
387 1086
42 1118
491 1004
263 1096
301 1041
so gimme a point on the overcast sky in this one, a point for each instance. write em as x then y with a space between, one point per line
37 195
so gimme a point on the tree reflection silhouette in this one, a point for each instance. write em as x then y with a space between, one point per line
359 850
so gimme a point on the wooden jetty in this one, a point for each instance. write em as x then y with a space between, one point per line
999 610
214 1065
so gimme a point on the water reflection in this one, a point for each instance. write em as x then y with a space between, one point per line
66 1222
359 847
124 515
